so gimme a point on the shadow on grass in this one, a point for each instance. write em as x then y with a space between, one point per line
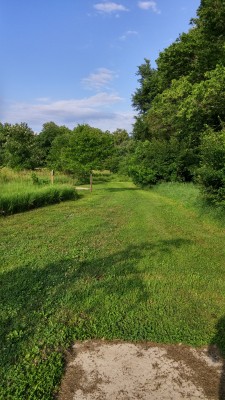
218 346
45 308
31 289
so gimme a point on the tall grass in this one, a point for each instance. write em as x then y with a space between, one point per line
12 203
190 196
22 191
8 175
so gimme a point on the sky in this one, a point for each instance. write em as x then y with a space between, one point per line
75 61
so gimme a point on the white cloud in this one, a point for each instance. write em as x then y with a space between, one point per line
43 99
121 120
109 7
127 34
98 111
99 79
149 5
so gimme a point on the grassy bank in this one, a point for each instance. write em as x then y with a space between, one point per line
120 263
22 191
16 201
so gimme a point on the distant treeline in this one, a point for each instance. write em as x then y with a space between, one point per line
179 132
76 151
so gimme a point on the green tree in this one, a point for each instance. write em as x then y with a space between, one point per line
120 136
180 59
163 117
155 161
58 147
212 171
143 97
19 148
180 99
2 143
204 105
211 20
120 150
50 131
197 51
87 148
140 128
148 81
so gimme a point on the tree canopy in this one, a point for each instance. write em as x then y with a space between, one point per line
180 104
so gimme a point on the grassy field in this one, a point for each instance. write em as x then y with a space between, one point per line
22 191
118 263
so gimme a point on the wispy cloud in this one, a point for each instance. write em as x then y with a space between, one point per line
97 110
109 7
43 99
99 79
149 5
128 34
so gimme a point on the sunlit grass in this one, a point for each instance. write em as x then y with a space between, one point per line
121 263
22 191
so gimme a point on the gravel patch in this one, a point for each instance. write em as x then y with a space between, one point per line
102 370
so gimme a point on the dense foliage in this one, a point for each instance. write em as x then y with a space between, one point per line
181 110
18 147
76 151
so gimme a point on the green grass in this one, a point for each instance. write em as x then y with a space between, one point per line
121 263
19 200
22 191
8 175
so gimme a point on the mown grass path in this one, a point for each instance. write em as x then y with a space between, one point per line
118 263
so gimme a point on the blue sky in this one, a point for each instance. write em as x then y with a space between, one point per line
74 61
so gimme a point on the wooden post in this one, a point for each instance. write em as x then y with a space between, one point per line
52 177
91 182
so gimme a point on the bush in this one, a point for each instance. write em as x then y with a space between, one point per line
38 181
154 161
211 174
143 176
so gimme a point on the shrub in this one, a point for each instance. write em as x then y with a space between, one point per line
142 175
211 174
154 161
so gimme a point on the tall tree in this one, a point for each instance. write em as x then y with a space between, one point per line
211 15
121 142
148 87
180 59
19 148
46 138
143 98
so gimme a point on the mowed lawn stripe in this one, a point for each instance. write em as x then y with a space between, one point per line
120 263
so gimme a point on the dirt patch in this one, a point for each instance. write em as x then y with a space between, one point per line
82 188
101 370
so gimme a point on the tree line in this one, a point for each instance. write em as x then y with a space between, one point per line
179 130
180 126
76 151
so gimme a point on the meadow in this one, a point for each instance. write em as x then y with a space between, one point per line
119 263
22 191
